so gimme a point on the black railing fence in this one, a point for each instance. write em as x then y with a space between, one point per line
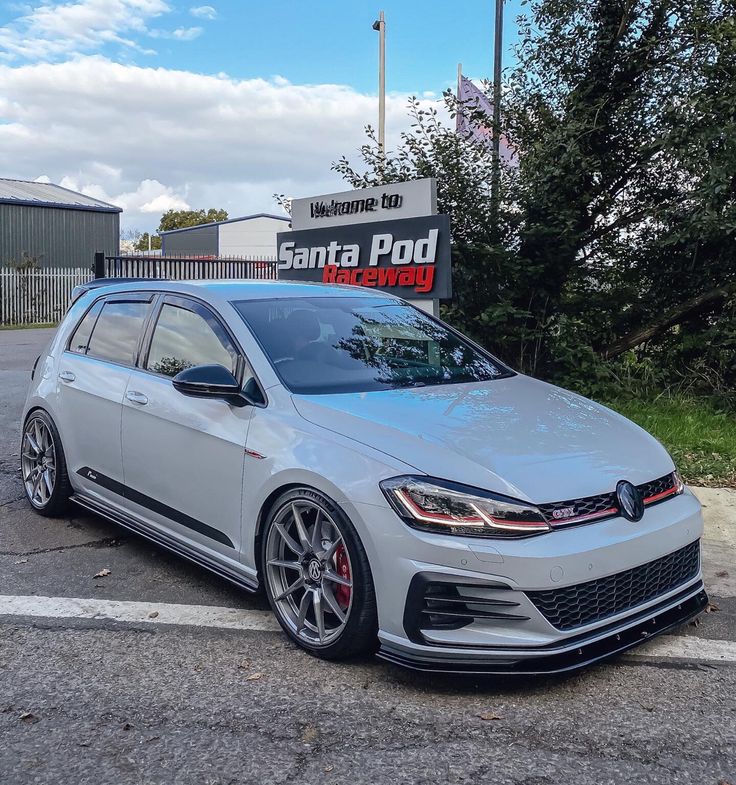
180 268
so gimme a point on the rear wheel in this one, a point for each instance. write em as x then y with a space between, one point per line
43 467
317 577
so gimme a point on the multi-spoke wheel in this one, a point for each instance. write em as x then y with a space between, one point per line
317 576
43 469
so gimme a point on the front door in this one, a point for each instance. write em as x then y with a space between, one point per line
183 457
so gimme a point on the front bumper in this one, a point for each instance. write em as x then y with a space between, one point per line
512 629
575 653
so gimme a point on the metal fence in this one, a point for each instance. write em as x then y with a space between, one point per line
181 268
41 295
36 295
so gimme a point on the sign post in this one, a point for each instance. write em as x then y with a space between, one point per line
387 237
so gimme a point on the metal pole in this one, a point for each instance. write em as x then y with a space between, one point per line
380 25
497 50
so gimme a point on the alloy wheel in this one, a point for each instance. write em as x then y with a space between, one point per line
38 462
309 572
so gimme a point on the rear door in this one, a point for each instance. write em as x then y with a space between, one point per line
93 375
183 457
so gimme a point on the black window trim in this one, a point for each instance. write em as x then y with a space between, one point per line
117 297
192 303
157 297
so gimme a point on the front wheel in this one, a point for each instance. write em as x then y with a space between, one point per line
317 576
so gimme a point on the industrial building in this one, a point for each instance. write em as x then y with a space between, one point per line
59 227
252 236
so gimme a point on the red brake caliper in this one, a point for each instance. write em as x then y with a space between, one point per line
342 594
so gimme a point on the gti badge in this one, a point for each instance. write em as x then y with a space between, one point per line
630 501
563 512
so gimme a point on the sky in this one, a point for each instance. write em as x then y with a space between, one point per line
157 104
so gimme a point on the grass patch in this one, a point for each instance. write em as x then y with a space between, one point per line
36 325
700 437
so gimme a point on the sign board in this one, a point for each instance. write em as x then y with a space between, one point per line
409 257
412 199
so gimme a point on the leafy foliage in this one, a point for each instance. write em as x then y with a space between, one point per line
611 257
179 219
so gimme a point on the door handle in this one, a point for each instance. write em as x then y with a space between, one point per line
136 397
67 376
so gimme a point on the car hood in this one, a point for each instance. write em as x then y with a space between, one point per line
517 436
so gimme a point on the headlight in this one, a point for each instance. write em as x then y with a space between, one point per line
449 508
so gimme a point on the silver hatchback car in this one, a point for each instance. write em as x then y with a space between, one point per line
391 485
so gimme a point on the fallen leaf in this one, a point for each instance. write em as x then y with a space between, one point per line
21 561
711 607
253 676
309 734
722 574
489 715
29 717
329 768
102 573
245 664
695 622
153 614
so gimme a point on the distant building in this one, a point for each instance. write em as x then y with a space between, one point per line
59 227
252 236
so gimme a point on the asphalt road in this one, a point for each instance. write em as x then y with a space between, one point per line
98 700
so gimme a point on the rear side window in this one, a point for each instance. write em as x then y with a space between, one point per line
183 338
117 332
80 338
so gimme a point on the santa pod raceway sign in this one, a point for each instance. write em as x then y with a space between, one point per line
409 257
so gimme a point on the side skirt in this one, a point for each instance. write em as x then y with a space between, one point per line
241 581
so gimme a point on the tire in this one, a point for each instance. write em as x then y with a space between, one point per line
320 565
43 466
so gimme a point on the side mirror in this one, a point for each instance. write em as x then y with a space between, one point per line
210 381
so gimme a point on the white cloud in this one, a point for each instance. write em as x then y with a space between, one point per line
180 34
153 138
203 12
55 30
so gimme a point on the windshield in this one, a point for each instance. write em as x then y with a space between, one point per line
357 344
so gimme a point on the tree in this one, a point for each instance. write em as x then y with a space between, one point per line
179 219
142 243
616 229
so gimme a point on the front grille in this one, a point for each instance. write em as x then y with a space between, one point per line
604 505
583 507
574 606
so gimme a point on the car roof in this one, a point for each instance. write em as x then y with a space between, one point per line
235 289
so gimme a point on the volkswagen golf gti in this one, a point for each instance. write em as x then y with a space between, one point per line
390 485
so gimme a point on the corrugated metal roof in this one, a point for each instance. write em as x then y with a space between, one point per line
50 195
229 221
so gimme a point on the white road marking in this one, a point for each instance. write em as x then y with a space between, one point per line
665 647
146 612
687 647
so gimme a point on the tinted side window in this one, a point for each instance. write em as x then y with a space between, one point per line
80 338
184 338
117 332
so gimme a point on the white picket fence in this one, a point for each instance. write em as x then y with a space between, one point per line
37 296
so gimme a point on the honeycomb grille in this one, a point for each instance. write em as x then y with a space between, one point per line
574 606
588 506
593 505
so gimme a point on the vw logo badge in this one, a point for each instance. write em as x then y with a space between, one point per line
630 501
315 570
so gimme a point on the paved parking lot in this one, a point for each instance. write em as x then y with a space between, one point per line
194 686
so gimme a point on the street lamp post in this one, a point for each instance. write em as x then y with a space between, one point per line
497 49
380 26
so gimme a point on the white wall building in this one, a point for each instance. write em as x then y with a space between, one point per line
252 236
